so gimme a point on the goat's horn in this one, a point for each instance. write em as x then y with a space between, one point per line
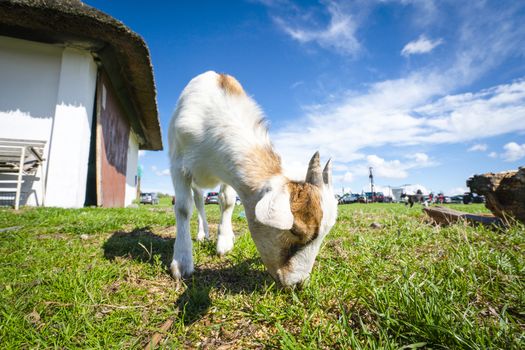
314 174
327 173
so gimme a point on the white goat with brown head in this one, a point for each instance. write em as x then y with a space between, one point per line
218 135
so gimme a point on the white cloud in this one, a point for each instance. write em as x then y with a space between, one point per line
480 147
396 113
388 169
493 155
347 177
392 169
340 167
164 172
342 128
419 158
142 153
296 84
339 34
420 46
426 12
513 152
490 112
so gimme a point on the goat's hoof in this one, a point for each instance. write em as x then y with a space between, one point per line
201 237
224 245
179 270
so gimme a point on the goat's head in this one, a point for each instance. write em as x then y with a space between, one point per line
291 221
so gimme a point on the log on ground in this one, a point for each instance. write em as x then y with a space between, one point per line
504 192
447 216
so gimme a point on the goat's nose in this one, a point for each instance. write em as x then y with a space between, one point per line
293 281
304 283
298 285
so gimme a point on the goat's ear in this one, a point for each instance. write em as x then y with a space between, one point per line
274 210
327 173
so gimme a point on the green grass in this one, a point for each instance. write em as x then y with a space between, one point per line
98 278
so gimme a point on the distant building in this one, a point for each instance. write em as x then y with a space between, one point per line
82 82
407 189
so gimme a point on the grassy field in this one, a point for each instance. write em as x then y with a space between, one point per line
98 278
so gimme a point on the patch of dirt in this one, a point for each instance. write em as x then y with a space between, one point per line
355 313
161 209
233 333
161 233
493 313
162 286
335 246
166 232
34 318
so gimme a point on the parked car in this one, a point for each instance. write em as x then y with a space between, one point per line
373 197
349 198
478 199
212 198
149 198
456 199
469 197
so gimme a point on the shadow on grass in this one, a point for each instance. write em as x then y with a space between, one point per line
140 244
244 277
240 278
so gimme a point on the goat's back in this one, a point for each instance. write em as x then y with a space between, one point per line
214 126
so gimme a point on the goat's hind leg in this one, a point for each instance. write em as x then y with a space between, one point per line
226 237
204 231
182 264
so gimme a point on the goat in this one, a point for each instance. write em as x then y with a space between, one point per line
218 135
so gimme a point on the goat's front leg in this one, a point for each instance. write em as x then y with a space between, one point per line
203 223
182 264
226 237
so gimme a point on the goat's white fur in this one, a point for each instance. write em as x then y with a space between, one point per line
210 135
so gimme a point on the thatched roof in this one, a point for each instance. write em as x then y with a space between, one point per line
122 53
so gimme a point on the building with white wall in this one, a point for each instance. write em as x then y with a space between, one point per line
82 82
397 192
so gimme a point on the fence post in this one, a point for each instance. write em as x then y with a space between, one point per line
19 180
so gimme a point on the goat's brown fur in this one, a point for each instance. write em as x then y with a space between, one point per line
260 164
230 85
305 203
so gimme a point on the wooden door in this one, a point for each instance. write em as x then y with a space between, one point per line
112 146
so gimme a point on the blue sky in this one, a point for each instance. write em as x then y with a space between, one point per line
426 92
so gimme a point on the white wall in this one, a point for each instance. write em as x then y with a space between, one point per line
70 138
29 76
47 92
131 169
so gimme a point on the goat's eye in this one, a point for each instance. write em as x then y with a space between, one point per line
294 231
289 252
